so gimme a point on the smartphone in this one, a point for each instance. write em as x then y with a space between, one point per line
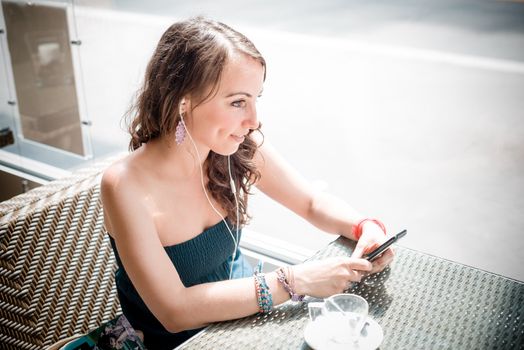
376 253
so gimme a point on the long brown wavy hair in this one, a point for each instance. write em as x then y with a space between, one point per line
189 60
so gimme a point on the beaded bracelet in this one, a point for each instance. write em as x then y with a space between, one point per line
264 297
291 277
257 289
357 228
281 276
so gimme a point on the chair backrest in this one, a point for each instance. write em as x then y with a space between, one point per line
56 263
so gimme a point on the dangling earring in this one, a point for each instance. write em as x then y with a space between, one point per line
180 132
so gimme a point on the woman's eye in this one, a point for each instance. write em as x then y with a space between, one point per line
239 103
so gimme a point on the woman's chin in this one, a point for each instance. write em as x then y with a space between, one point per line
226 151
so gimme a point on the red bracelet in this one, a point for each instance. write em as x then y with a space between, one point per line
357 229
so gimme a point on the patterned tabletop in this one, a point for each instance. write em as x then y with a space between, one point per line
420 301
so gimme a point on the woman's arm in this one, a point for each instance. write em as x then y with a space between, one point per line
285 185
327 212
231 299
159 285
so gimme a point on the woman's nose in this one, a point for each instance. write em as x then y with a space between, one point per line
251 121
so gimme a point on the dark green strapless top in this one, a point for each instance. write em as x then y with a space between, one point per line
204 258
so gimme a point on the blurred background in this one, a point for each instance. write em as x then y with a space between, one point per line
411 111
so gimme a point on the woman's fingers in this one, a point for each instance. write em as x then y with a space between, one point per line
329 276
359 264
356 268
362 249
385 259
371 247
358 252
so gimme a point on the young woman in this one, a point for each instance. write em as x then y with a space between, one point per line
174 207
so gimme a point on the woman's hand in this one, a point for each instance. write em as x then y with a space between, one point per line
323 278
372 237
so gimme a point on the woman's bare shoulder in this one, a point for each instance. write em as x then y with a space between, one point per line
122 176
122 193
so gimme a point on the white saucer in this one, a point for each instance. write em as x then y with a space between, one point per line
370 338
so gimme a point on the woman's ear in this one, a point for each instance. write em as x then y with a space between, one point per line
182 107
185 105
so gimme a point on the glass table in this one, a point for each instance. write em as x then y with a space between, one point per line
420 301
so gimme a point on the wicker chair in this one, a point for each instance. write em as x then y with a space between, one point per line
56 263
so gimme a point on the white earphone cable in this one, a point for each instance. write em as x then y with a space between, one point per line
233 189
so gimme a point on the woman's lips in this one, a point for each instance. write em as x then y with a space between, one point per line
238 139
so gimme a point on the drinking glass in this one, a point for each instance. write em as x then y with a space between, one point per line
343 315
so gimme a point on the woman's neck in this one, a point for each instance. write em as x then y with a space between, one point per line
179 161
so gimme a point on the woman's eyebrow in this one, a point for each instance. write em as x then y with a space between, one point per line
239 93
243 93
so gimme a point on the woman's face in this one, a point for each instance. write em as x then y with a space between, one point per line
222 122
